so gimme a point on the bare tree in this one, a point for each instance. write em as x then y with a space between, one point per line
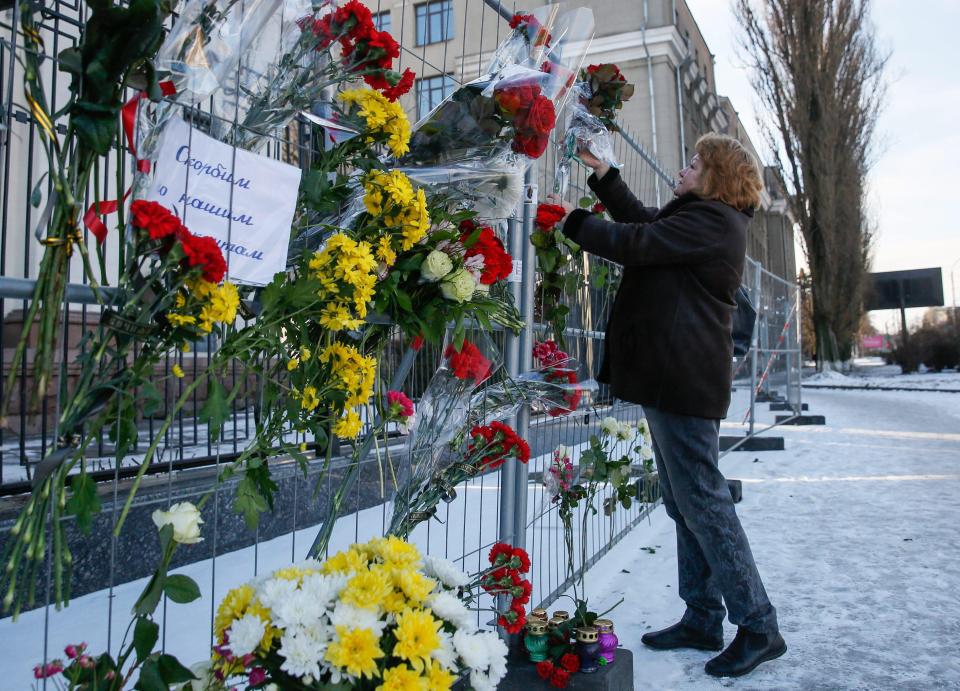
818 72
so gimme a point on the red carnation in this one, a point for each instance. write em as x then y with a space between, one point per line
500 548
497 263
598 208
403 85
540 118
545 669
204 252
468 363
524 558
570 662
154 218
548 216
560 678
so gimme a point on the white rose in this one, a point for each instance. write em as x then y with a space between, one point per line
647 453
610 426
185 519
436 265
458 286
643 427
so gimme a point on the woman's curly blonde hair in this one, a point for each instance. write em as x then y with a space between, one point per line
730 172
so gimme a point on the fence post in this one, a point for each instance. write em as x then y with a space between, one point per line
755 344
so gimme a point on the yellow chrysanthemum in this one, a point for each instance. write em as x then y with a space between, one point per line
366 589
402 678
397 552
349 426
185 348
417 637
220 302
308 398
305 353
235 604
355 651
382 117
180 319
385 252
177 371
347 561
292 364
438 679
179 300
351 371
346 270
395 602
414 585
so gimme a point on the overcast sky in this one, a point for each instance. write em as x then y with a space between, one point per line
913 184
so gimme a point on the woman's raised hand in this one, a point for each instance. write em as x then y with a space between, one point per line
591 161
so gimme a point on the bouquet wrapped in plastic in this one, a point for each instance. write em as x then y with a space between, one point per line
479 141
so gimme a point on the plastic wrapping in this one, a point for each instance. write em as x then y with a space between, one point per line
584 131
442 412
207 41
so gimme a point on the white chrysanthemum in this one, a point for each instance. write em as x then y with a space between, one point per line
610 426
302 650
643 427
352 617
647 453
444 653
496 655
321 588
496 196
450 608
299 609
481 682
625 432
274 591
472 649
245 634
445 571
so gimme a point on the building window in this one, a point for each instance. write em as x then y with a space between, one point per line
381 20
431 91
434 21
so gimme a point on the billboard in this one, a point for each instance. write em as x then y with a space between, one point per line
891 290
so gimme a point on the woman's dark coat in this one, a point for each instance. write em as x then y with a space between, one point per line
668 341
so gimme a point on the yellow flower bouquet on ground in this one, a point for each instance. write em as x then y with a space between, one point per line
375 616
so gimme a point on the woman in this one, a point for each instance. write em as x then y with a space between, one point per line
669 348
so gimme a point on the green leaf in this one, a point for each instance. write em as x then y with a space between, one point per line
37 195
172 671
585 202
151 400
145 635
70 61
215 410
150 598
84 502
404 300
123 433
150 678
181 589
250 502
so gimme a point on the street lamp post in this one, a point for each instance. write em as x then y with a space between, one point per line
953 297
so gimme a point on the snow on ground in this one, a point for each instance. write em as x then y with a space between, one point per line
854 530
874 373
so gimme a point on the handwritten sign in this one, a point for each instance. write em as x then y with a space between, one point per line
244 201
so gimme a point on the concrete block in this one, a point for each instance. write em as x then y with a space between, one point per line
802 420
618 676
763 443
774 407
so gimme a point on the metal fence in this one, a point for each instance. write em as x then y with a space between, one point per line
509 504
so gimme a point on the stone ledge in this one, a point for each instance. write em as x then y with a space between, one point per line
618 676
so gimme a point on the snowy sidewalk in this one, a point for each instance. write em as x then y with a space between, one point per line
856 531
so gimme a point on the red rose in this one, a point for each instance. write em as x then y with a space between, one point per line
532 145
570 662
154 218
548 216
516 97
560 678
598 208
204 252
545 669
539 119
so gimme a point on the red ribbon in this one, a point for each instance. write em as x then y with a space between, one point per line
128 117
